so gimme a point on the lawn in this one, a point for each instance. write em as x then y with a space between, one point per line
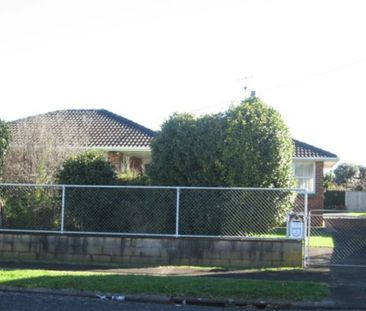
198 287
322 240
318 238
357 214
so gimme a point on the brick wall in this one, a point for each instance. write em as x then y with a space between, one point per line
146 251
316 201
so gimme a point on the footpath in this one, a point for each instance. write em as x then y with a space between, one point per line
347 284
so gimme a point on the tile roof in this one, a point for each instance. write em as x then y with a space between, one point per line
104 129
303 150
82 128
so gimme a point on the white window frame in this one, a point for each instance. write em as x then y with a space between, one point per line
306 177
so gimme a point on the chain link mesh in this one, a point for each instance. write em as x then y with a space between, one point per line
337 238
30 207
128 210
149 210
237 212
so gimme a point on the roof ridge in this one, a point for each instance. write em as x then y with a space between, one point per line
317 149
56 111
102 110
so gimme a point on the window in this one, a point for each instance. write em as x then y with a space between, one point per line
305 176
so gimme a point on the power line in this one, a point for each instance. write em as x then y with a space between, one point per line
286 84
315 75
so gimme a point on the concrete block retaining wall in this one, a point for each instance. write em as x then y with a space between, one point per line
152 250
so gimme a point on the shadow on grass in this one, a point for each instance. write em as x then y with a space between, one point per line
65 266
168 286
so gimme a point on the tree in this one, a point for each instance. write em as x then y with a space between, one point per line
257 148
346 173
247 146
4 142
329 182
362 178
188 151
39 156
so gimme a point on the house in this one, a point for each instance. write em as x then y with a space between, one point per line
308 164
127 144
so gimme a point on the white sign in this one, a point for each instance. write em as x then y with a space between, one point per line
296 229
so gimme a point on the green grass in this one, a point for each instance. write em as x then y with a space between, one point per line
357 214
325 241
318 237
342 214
171 286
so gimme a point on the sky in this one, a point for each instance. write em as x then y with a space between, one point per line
146 59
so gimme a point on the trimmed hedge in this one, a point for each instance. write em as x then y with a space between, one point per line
335 199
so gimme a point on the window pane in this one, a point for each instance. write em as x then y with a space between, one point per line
303 170
306 183
305 176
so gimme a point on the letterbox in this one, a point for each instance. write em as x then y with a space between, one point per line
295 226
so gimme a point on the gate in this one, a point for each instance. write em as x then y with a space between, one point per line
336 238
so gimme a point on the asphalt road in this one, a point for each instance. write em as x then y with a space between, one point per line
41 302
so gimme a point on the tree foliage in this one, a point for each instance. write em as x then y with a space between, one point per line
87 208
258 148
38 157
248 145
345 173
88 168
4 142
349 176
109 209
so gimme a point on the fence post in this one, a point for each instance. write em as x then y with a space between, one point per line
307 226
177 213
63 209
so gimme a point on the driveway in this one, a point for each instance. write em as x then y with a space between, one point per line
349 239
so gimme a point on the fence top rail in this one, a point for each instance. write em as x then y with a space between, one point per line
149 187
334 211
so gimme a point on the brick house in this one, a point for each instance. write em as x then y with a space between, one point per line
127 144
309 163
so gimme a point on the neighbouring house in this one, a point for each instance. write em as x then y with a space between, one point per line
127 144
308 164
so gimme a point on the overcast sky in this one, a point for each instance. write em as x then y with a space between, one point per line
147 59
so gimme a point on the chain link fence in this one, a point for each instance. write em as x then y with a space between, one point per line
337 237
140 210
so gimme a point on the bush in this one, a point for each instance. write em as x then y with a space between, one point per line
4 142
30 208
335 199
112 209
88 168
247 146
88 209
130 179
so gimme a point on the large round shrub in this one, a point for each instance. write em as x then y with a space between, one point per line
87 168
247 146
89 209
